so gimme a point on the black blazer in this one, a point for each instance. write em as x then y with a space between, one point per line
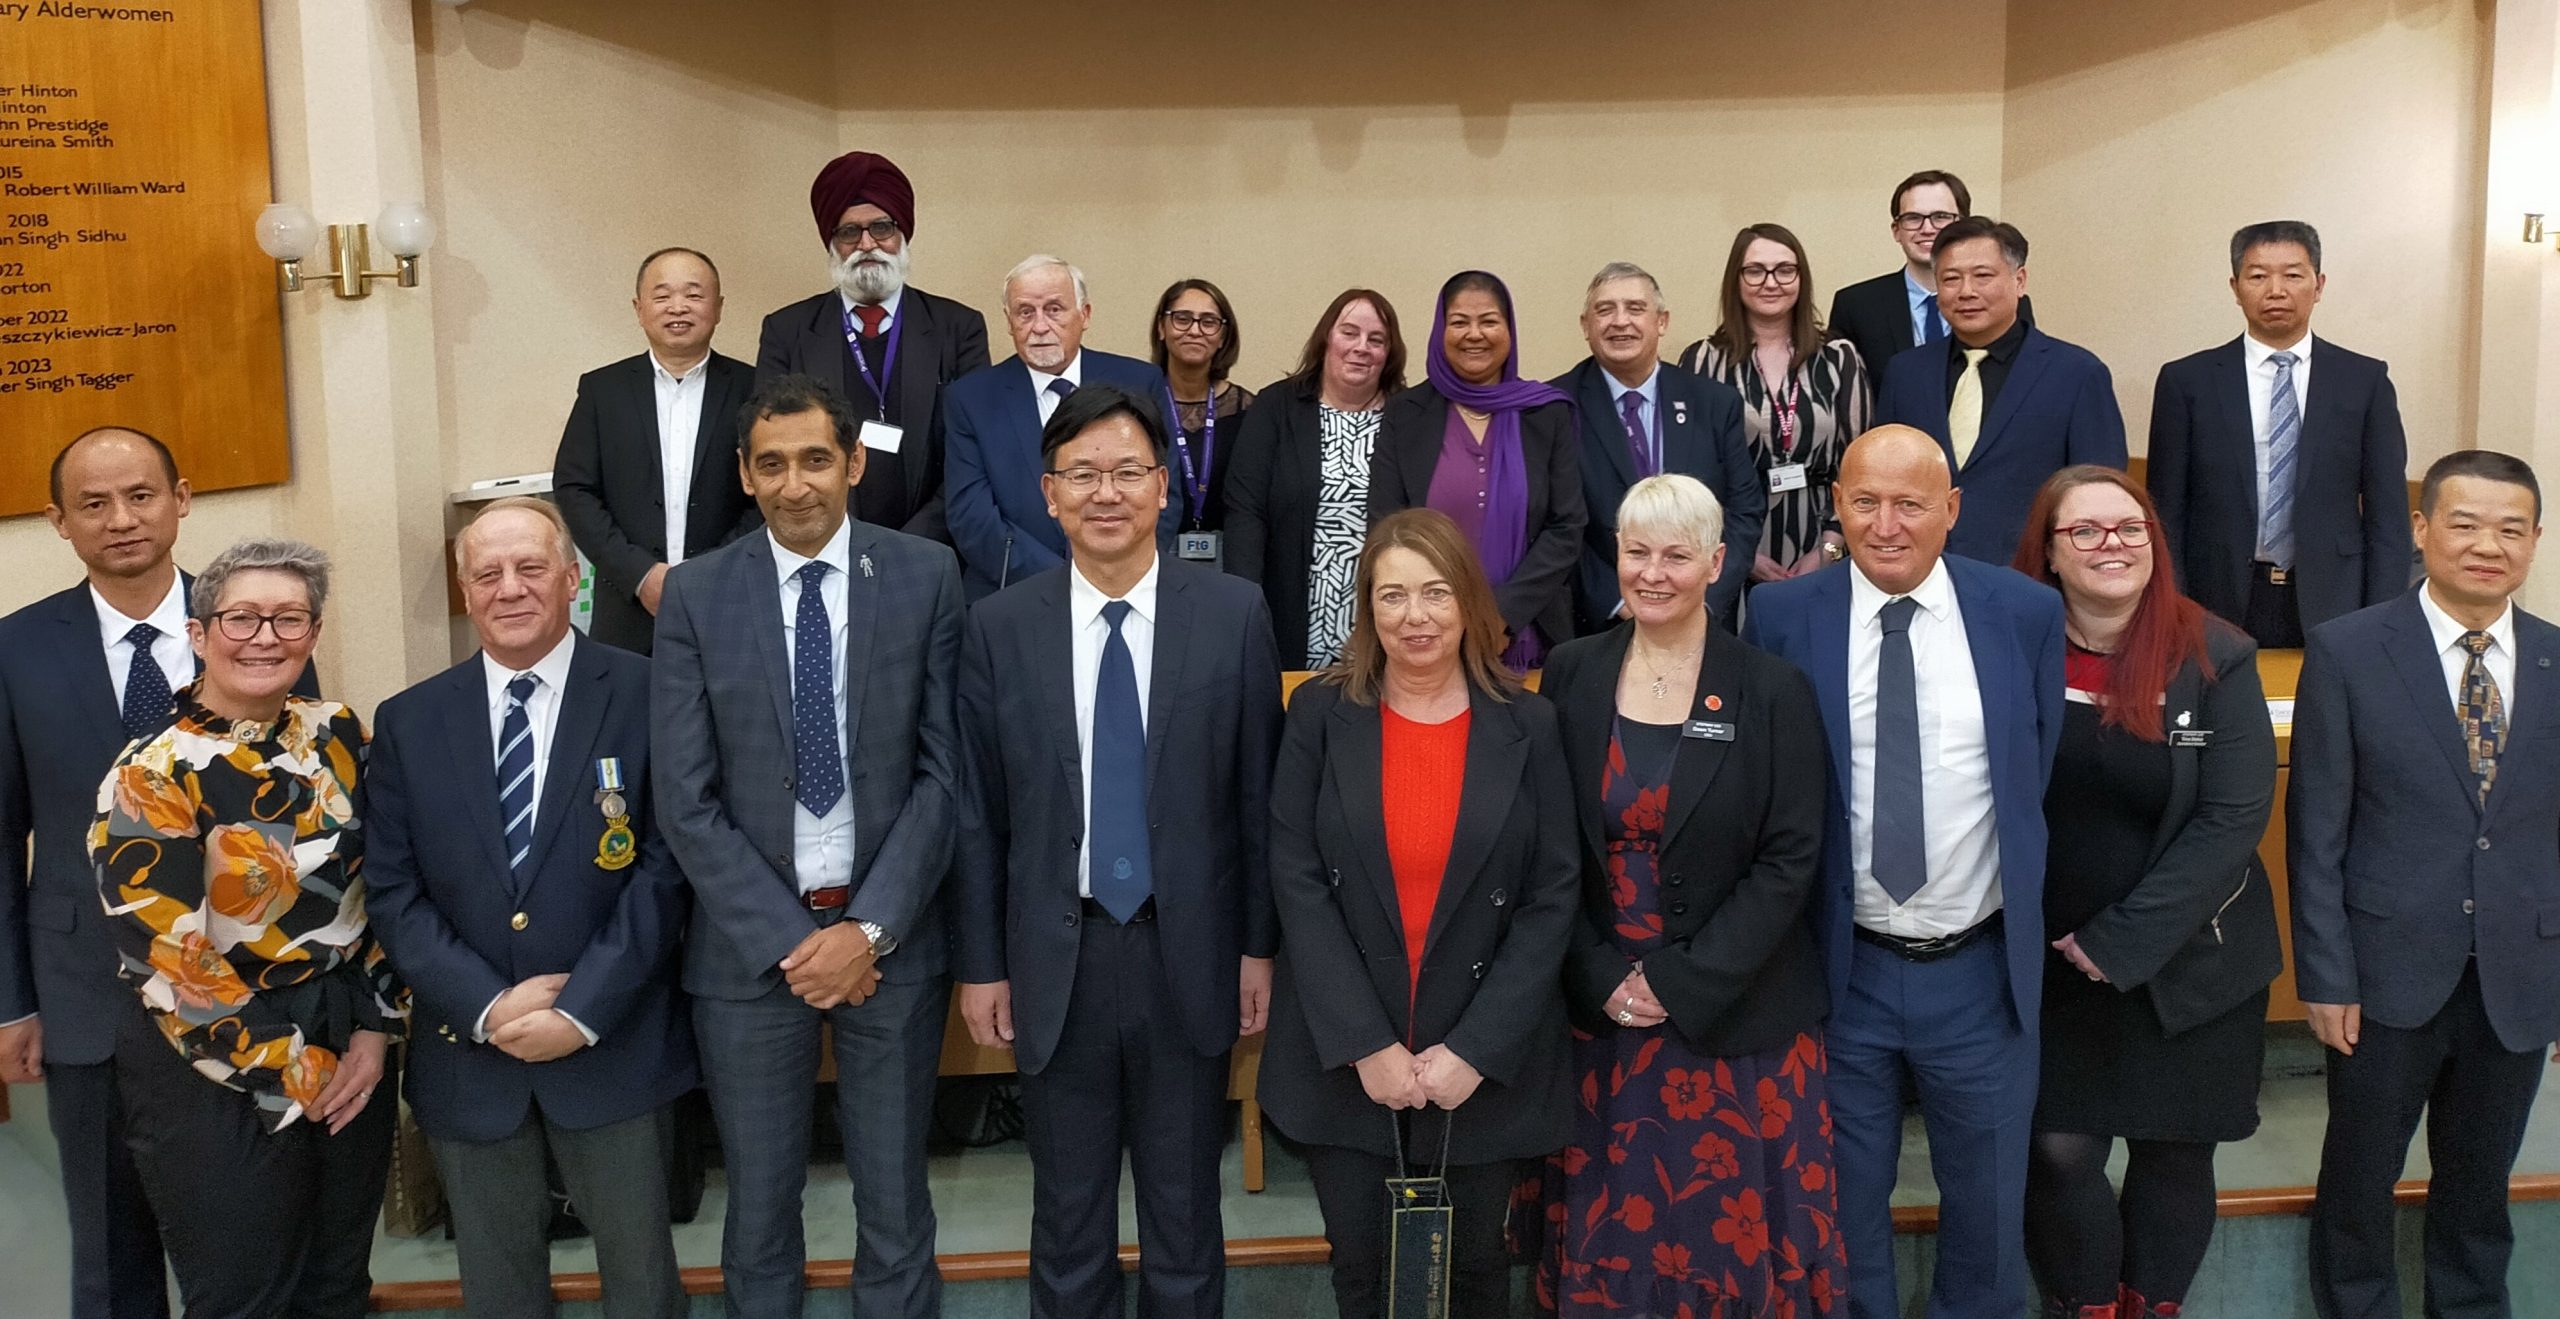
939 341
1874 315
1213 726
611 484
1540 590
1273 485
2350 495
1741 850
1701 437
1497 938
2200 929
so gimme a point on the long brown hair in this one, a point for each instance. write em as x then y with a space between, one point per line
1309 377
1362 671
2167 630
1733 331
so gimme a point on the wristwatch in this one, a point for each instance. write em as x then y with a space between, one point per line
881 944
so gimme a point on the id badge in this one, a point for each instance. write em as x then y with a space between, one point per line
1201 546
1784 477
882 437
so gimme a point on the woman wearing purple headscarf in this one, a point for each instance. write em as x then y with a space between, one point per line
1496 453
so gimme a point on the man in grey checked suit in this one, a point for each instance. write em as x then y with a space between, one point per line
803 719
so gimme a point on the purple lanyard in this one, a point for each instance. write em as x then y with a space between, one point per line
1195 481
888 359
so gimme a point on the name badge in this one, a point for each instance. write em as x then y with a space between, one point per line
1708 730
1203 546
2190 737
882 436
1785 477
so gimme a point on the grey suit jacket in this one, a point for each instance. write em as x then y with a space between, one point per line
720 723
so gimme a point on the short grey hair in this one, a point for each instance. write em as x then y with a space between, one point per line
1673 507
1041 261
541 508
261 555
1617 270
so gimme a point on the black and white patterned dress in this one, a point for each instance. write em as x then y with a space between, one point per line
1830 391
1342 527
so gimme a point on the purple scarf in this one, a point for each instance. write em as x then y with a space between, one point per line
1506 504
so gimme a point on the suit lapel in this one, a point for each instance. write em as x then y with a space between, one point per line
2538 691
862 618
573 742
1828 621
1355 752
92 685
1496 753
1593 390
1057 681
1173 631
2033 355
1697 760
755 580
1022 412
640 394
2230 385
2329 426
466 727
1590 711
1685 447
2412 648
712 463
1420 460
1901 318
1987 634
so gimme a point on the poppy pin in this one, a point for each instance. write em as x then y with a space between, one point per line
1715 703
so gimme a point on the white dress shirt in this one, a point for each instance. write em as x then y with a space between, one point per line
2261 375
889 310
1090 630
821 845
2500 657
1649 416
542 719
1040 395
1961 825
176 657
679 422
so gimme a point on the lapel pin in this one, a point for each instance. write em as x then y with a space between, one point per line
2186 717
1680 411
866 565
1715 702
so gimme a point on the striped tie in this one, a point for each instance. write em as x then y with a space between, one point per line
515 771
2284 439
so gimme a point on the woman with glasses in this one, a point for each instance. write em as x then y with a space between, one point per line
1195 342
1804 395
229 853
2162 924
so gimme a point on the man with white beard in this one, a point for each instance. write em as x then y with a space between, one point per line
888 348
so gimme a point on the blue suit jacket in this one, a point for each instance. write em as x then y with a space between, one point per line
444 901
1213 734
720 707
1000 522
1701 437
2400 876
2057 408
2013 626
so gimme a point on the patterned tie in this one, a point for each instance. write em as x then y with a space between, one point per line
2284 441
1964 407
818 766
2484 716
1117 864
870 315
515 770
1639 441
1935 327
147 704
1900 860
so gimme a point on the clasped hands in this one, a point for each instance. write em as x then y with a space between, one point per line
1397 1077
1633 1003
834 967
524 1025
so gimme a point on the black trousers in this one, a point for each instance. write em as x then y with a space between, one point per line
1123 1077
257 1226
2274 619
1351 1190
117 1271
2480 1093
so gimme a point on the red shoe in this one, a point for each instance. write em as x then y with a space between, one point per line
2130 1305
2057 1308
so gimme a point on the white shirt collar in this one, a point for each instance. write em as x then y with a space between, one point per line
1085 600
551 671
836 553
2255 354
1936 593
1073 375
170 615
2448 633
891 306
660 371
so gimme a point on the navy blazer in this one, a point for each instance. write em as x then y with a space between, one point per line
461 926
1000 521
2350 493
2013 626
2401 877
1213 730
60 730
2057 408
1701 437
720 707
1874 315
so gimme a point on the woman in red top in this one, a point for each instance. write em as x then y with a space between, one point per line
1422 858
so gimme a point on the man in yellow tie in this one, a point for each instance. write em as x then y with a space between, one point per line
2011 404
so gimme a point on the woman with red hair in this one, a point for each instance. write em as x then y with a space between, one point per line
2162 924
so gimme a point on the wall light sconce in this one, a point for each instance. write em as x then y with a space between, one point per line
288 233
2533 226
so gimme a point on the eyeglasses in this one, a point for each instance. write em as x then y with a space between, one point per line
2133 535
849 236
1925 219
1126 478
1205 322
1755 276
243 624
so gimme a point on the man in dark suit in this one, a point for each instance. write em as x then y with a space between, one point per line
1883 316
515 874
643 468
888 348
993 419
1121 714
2426 776
2282 508
2010 404
808 763
1642 416
1940 681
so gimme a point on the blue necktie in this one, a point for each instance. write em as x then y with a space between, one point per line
1117 866
1639 441
1062 387
2284 438
1900 860
1934 327
147 704
818 768
515 771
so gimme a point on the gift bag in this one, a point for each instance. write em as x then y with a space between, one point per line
1418 1240
413 1201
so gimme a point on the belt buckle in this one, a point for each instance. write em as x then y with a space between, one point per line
2276 576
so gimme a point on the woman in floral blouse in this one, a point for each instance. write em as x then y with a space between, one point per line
229 858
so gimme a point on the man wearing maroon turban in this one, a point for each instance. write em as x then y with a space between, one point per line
888 348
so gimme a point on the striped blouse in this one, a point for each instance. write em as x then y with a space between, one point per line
1830 394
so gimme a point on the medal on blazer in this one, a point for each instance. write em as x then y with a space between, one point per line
619 847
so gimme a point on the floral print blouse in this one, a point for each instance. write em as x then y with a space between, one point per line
230 860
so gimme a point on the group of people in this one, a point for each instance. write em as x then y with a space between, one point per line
911 676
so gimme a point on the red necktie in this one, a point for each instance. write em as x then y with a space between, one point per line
870 315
